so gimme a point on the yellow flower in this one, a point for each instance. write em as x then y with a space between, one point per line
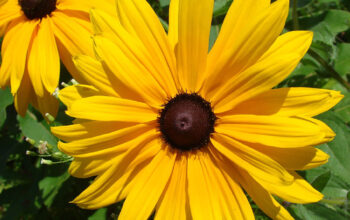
168 127
38 33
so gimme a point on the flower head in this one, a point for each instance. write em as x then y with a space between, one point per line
169 127
37 34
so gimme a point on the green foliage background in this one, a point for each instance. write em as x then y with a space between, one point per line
31 190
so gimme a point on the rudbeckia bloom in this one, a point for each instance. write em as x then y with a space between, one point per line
174 129
37 34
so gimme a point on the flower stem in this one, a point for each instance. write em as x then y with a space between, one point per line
295 15
329 69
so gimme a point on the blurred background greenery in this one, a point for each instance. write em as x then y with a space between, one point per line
37 186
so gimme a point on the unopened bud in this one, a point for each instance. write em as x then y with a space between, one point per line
56 93
74 82
31 141
47 162
31 153
49 117
42 147
64 84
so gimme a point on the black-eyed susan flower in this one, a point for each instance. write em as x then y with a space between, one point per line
174 129
37 34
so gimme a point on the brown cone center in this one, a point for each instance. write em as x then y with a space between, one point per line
37 9
187 121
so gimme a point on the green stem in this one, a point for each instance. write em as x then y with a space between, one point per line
329 69
295 15
333 201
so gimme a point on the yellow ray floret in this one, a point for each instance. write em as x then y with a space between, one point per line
174 129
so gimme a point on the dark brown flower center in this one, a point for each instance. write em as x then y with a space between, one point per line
36 9
187 121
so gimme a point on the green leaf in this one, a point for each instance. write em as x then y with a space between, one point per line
5 100
317 211
214 32
339 148
36 130
342 62
99 214
50 186
343 108
164 3
321 181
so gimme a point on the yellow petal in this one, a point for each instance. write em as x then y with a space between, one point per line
86 5
14 51
92 71
109 27
233 204
43 60
173 204
139 19
47 104
85 167
115 183
109 143
248 31
191 52
290 102
105 108
9 11
302 158
149 186
274 131
254 162
257 79
25 94
173 32
299 191
262 197
73 93
87 129
123 61
73 31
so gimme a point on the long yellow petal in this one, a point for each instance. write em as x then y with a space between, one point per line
249 30
47 104
149 186
123 61
274 131
299 191
114 184
86 5
290 102
173 204
191 52
73 31
259 78
109 143
173 32
301 158
92 71
254 162
139 19
108 26
43 59
25 94
262 197
87 129
73 93
9 11
14 51
105 108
